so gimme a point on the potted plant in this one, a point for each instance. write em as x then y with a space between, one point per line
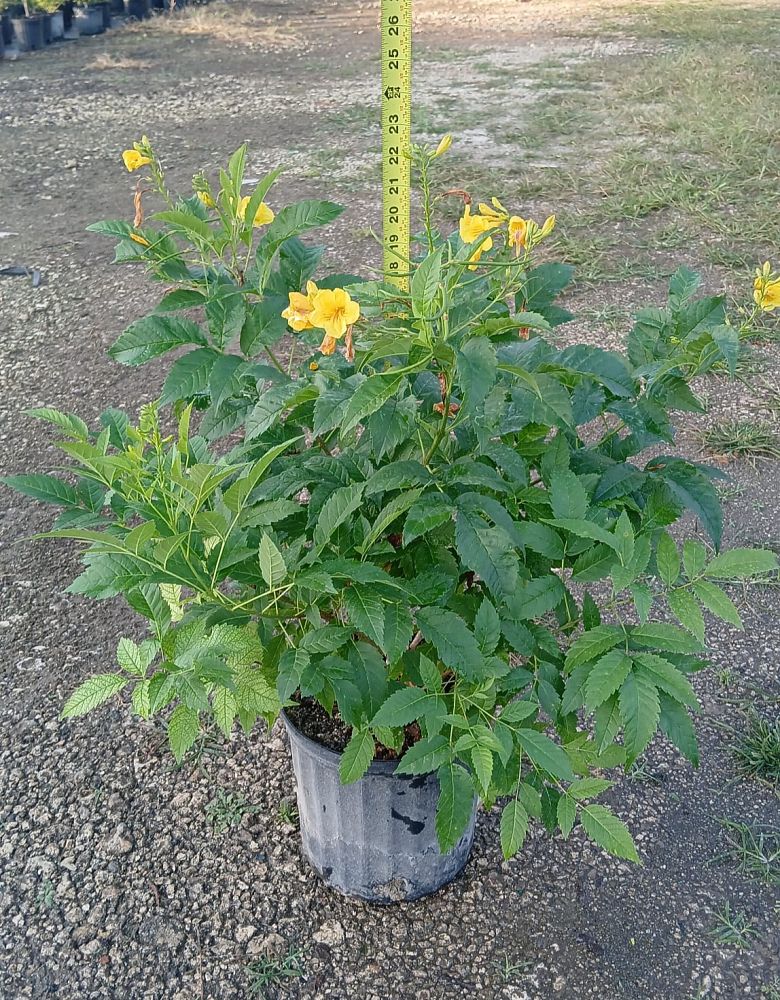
90 19
29 28
53 19
139 9
431 539
6 26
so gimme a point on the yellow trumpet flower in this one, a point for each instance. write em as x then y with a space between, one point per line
298 313
263 215
133 159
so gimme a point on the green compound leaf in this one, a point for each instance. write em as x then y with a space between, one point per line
91 693
639 711
608 832
606 677
456 801
514 828
454 643
357 756
183 730
717 602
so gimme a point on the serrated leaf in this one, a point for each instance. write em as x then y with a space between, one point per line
675 723
133 658
488 552
606 677
152 336
482 762
71 424
477 369
568 497
639 711
366 611
272 564
397 631
514 828
225 710
357 756
455 805
425 755
454 643
608 832
694 557
49 489
643 600
425 285
588 788
141 700
567 813
91 693
667 559
189 375
487 627
545 754
335 511
367 398
665 675
683 606
669 638
403 707
717 602
592 643
183 730
739 564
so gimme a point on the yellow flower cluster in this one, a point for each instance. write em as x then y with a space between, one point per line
766 288
521 233
329 309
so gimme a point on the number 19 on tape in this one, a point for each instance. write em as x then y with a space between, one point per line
396 137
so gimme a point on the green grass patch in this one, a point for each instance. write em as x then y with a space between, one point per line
750 439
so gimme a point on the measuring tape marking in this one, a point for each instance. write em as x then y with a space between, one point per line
396 16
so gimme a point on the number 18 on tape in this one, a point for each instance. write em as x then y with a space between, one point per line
396 137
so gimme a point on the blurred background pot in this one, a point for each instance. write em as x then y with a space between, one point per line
139 9
29 32
89 20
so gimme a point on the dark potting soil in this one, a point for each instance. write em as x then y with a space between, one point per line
311 719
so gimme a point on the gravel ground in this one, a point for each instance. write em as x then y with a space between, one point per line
119 877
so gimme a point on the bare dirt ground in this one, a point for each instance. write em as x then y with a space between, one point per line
649 129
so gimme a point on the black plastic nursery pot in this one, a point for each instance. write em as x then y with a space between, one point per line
67 14
89 20
376 838
29 32
7 29
57 24
139 9
47 34
117 6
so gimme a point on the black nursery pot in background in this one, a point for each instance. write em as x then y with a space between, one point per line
117 6
29 32
139 9
375 838
67 14
47 36
7 29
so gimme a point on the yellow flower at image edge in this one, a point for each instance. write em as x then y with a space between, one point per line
263 215
133 159
334 312
766 289
206 199
298 313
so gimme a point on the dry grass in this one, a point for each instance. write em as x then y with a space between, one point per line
107 61
236 26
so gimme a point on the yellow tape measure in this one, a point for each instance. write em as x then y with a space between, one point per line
396 137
